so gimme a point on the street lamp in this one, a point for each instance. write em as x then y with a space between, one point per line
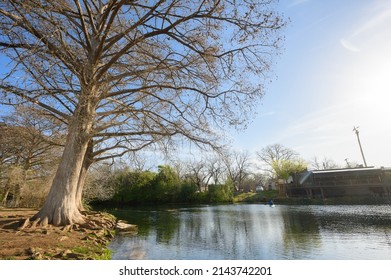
355 129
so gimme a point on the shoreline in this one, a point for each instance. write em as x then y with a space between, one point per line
77 242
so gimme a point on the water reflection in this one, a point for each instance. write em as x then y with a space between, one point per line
301 235
257 232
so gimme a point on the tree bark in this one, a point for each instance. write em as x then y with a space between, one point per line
88 160
61 207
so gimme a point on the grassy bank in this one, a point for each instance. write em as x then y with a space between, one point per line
255 197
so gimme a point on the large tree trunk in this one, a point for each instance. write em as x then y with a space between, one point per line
60 207
88 160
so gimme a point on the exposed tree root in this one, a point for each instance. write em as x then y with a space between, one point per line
58 217
91 221
24 224
32 224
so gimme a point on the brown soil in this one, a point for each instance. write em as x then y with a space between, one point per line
87 241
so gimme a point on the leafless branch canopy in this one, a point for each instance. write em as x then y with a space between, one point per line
148 70
276 153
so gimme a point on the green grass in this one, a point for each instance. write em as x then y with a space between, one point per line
263 196
92 252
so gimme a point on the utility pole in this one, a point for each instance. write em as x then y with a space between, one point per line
355 129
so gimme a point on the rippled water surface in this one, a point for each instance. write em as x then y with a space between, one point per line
255 231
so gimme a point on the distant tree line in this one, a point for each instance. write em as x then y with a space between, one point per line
135 187
211 180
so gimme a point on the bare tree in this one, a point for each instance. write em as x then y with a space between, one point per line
127 74
276 152
280 161
29 146
216 169
198 174
238 167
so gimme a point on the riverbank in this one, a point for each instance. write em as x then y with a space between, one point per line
84 242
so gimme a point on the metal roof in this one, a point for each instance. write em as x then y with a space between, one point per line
345 170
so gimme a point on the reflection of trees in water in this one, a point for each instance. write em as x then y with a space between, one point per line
301 233
229 232
164 221
203 230
166 225
222 232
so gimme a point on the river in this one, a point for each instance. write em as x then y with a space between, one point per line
256 231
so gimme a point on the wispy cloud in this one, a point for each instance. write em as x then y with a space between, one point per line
378 21
374 22
348 45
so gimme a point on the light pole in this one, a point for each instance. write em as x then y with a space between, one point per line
355 129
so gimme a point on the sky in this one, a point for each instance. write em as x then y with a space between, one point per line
334 74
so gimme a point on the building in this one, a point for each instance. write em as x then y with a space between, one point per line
368 181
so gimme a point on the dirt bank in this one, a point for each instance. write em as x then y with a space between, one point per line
86 241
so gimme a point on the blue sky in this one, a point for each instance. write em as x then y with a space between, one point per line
334 74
